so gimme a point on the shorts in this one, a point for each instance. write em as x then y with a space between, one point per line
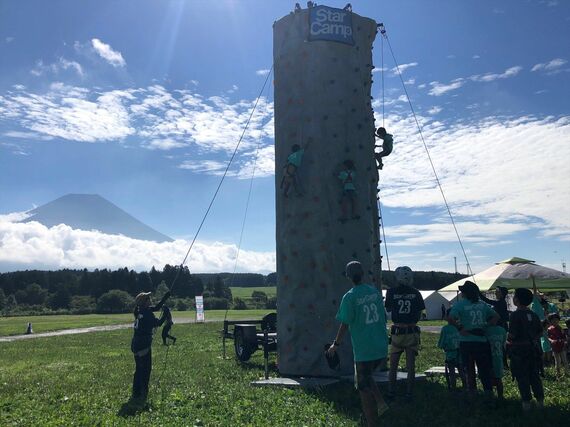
404 342
363 373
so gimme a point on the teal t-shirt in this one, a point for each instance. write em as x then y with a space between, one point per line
296 158
497 336
472 316
449 342
537 308
347 177
362 310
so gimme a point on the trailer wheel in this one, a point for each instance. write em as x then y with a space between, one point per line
242 348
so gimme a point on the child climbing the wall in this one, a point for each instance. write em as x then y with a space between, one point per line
167 326
348 199
387 145
290 171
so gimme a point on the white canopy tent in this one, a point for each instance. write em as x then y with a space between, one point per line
515 273
433 301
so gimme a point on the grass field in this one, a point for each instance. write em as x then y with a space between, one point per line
17 325
270 291
85 379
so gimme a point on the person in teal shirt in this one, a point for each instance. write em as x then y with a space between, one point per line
497 337
387 145
348 199
290 171
472 316
449 342
362 313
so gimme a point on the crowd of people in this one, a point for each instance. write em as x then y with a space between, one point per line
480 336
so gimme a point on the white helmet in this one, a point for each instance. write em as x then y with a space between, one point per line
404 275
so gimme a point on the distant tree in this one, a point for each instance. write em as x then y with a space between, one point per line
2 299
82 304
182 305
259 296
161 289
271 303
271 279
33 294
115 301
61 299
239 304
11 304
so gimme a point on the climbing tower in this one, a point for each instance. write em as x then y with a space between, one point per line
323 65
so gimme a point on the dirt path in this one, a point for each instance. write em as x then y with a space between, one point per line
75 331
428 329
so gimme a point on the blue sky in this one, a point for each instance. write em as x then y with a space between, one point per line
142 102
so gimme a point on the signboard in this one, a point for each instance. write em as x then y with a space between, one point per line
328 23
200 308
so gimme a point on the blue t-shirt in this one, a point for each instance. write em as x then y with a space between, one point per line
449 342
347 177
296 158
472 316
537 308
362 310
497 336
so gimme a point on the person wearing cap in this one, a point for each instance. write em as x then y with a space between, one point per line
361 312
472 316
499 305
524 351
406 305
141 344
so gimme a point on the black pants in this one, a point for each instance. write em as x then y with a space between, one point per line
166 332
477 353
143 366
525 367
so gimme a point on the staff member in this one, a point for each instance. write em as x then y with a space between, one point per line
141 344
406 305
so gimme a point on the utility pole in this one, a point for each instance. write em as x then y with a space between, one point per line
564 266
455 262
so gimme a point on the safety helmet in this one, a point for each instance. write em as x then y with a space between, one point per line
404 275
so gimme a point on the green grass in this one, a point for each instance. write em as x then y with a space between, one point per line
17 325
85 379
271 291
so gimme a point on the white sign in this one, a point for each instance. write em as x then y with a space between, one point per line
328 23
200 309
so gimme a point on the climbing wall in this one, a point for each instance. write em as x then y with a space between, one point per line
322 102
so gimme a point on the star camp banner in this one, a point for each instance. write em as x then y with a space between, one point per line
328 23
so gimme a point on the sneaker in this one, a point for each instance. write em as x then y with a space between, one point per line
173 341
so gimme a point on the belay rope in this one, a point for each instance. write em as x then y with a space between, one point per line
384 35
181 266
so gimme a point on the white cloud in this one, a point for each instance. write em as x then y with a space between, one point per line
434 110
32 245
476 57
263 72
551 66
57 67
209 167
438 89
164 144
489 77
152 113
403 67
106 52
410 81
490 174
9 39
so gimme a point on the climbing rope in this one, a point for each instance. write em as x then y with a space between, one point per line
383 233
221 180
246 208
385 35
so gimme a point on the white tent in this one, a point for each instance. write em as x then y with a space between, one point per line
450 296
433 301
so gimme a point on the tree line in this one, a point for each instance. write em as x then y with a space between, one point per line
113 291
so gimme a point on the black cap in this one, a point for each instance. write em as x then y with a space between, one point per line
469 286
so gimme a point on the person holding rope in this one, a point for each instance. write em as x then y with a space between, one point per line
141 344
406 305
290 171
